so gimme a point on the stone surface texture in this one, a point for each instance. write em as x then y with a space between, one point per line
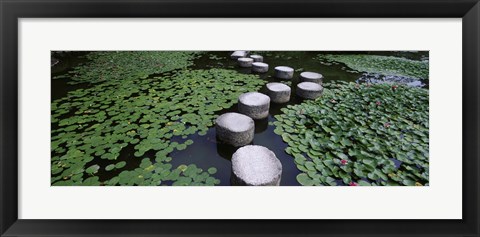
239 54
311 77
245 62
278 92
309 90
257 58
254 104
283 72
259 67
235 129
256 166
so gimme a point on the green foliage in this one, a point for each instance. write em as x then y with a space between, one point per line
356 133
110 167
101 121
212 170
125 65
120 164
92 169
384 65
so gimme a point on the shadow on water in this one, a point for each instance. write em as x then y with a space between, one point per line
206 152
65 62
126 154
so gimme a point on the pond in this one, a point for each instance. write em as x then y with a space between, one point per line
147 118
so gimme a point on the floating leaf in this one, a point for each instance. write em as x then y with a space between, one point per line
303 179
92 169
181 147
212 170
120 164
345 137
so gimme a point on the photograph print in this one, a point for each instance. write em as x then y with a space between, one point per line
240 118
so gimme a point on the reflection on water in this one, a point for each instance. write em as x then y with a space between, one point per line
376 78
261 125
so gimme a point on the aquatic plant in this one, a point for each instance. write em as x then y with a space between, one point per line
123 65
91 128
383 65
359 134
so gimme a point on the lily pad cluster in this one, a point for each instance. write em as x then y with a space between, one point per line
93 127
383 65
154 174
123 65
359 134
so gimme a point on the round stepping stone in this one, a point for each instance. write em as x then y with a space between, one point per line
283 72
257 58
253 104
309 90
235 129
239 54
256 166
259 67
311 77
245 62
278 92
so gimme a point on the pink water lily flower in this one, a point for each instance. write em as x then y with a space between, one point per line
344 162
353 184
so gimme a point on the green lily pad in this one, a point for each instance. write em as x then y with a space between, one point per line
120 164
181 147
212 170
110 167
92 169
304 179
354 130
386 65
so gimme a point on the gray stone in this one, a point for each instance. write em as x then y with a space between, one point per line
256 166
257 58
245 62
309 90
311 77
278 92
235 129
253 104
259 67
283 72
239 54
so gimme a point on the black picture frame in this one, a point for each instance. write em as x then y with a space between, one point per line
11 11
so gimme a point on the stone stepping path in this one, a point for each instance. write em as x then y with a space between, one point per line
256 166
239 54
283 72
309 90
235 129
278 92
245 62
259 67
311 77
251 164
254 104
257 58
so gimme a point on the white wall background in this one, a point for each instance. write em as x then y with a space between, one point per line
442 200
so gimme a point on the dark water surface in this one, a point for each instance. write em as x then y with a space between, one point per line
206 151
